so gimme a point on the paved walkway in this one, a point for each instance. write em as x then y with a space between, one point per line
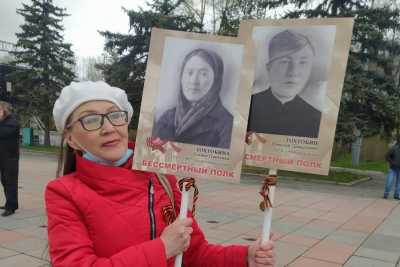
320 225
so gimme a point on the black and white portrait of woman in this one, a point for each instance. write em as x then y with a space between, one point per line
197 115
290 87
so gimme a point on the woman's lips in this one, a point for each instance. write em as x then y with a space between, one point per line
111 143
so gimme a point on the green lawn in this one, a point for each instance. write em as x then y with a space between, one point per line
345 162
338 177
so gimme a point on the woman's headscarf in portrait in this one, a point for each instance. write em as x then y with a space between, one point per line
187 114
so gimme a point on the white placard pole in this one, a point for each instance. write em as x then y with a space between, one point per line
182 215
266 229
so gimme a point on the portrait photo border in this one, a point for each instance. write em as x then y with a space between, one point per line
183 159
302 154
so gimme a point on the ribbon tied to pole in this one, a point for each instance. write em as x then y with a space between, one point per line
269 181
190 182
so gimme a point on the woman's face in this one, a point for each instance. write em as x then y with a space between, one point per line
197 79
109 142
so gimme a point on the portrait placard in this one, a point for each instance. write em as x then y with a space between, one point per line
195 106
299 72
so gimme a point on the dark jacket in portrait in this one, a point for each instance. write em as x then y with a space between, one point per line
214 129
9 139
293 118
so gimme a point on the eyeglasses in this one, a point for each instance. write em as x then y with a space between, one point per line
93 122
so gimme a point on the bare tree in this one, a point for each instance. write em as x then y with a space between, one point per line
86 69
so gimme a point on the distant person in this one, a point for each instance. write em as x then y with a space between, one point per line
393 158
9 157
279 109
199 118
356 146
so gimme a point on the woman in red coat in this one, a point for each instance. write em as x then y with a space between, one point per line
103 213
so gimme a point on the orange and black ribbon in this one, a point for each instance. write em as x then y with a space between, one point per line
269 181
169 214
190 182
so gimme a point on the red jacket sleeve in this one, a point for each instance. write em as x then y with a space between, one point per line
70 244
203 254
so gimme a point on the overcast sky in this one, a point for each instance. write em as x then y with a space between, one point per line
86 18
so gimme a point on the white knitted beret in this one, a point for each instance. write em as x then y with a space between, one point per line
73 95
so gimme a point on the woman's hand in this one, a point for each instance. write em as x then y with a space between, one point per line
176 237
261 255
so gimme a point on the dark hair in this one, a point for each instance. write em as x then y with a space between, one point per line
66 158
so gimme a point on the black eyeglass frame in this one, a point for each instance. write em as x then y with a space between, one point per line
80 120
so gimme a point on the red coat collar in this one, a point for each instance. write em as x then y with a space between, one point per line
110 179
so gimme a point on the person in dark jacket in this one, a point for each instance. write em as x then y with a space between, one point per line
199 117
279 109
103 213
9 157
393 158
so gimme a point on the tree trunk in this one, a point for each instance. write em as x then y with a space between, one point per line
214 22
46 121
202 13
47 137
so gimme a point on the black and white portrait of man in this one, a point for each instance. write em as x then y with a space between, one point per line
292 100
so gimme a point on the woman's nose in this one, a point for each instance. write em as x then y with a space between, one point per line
194 78
107 126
